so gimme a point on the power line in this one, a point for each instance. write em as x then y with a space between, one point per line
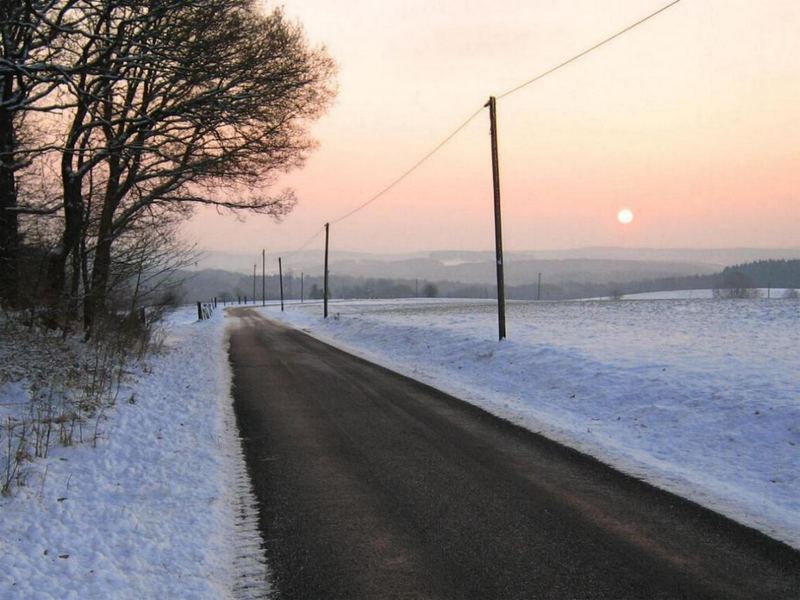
458 129
309 240
412 169
305 244
588 50
405 174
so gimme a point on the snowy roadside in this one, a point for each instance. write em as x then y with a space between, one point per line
698 397
162 506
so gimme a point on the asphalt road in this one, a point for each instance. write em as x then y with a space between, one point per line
372 485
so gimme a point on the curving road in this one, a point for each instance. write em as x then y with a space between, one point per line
372 485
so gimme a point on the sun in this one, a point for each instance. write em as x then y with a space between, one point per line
625 216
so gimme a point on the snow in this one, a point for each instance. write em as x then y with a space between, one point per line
672 295
705 294
699 397
161 508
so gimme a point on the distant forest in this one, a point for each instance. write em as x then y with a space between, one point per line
758 274
770 273
227 286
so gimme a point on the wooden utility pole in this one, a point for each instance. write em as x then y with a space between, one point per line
254 280
301 286
263 278
498 227
325 291
280 278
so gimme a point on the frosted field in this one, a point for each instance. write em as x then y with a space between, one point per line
700 397
708 294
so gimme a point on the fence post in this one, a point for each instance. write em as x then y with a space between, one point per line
199 311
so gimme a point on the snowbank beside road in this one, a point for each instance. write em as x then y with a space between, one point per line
160 508
699 397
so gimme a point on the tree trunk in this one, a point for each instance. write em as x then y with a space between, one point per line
9 230
101 267
70 237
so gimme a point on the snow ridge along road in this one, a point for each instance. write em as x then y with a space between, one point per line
162 508
374 485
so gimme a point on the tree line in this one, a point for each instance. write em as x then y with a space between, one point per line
733 281
117 117
738 281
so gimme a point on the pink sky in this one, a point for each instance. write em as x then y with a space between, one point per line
692 121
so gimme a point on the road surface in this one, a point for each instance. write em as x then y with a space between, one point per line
373 485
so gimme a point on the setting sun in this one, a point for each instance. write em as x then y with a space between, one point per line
625 216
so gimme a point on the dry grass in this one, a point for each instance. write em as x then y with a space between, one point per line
69 385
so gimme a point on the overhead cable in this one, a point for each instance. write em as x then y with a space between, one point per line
588 50
413 168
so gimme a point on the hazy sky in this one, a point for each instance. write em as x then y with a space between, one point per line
692 121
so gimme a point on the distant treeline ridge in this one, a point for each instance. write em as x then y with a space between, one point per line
227 286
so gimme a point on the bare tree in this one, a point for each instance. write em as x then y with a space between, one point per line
429 290
164 105
29 74
736 285
188 102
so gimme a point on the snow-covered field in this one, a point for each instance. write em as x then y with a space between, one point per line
160 509
700 397
673 295
707 294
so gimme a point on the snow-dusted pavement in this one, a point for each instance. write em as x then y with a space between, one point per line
699 397
159 508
